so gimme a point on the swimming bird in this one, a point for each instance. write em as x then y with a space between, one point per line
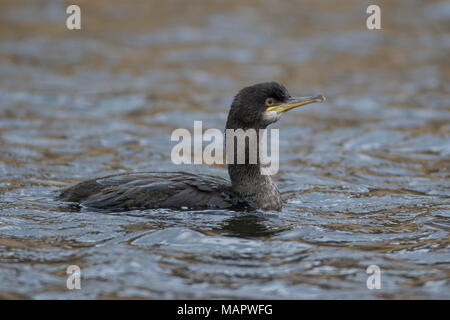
254 107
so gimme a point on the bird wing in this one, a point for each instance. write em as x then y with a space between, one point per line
151 190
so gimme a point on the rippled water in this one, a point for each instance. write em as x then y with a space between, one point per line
365 176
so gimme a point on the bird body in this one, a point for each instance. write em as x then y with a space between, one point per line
151 190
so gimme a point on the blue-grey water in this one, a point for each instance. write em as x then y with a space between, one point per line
365 176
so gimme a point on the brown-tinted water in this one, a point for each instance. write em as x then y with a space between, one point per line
365 176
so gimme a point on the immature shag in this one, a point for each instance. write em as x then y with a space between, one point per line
254 107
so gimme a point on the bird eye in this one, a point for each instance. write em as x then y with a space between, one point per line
270 102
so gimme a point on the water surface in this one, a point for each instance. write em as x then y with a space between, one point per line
365 176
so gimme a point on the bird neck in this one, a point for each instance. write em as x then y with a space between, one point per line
249 180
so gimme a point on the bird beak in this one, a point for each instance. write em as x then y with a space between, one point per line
296 102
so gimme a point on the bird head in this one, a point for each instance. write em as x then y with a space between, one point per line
261 104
